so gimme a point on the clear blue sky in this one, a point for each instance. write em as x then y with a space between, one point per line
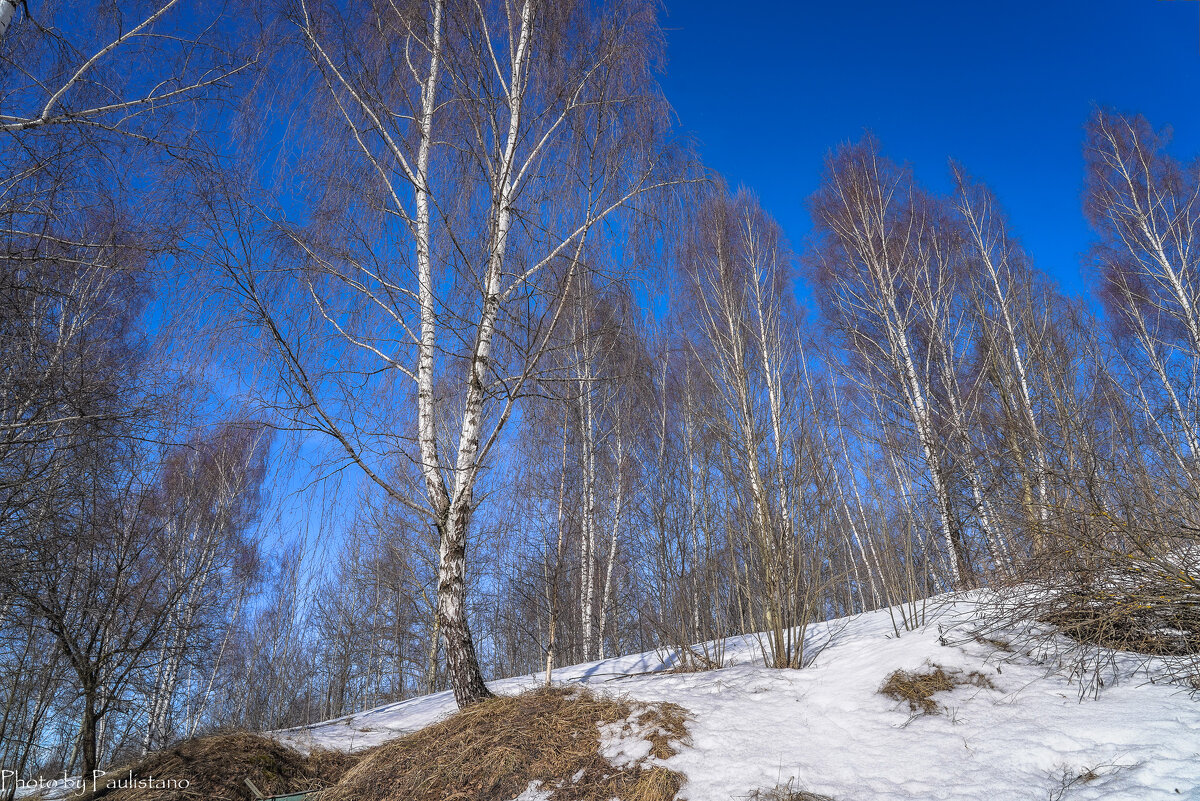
769 86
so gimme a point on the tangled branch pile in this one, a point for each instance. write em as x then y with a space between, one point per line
1144 606
1119 608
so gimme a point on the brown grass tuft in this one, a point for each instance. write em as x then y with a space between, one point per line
654 784
215 768
918 688
496 748
664 724
785 792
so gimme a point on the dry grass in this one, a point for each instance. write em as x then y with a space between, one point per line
786 792
918 688
663 725
496 748
215 768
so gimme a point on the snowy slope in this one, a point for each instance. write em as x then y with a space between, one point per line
825 728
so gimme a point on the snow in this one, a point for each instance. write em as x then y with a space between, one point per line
622 744
534 793
827 730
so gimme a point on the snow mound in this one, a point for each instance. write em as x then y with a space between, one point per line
827 730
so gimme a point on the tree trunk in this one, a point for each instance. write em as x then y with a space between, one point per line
88 733
466 679
431 664
552 584
618 500
7 7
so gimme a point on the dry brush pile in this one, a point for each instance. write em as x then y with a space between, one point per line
497 748
215 768
553 738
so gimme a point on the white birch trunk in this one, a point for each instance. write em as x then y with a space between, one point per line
552 584
7 7
618 505
465 675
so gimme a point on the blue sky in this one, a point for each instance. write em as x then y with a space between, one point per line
768 87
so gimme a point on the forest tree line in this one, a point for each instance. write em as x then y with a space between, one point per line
443 282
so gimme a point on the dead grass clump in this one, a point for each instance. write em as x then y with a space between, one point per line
786 792
215 767
654 784
918 688
495 749
663 725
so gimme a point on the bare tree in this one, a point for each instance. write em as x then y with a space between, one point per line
476 150
882 278
748 344
61 73
1146 208
97 592
208 500
1014 310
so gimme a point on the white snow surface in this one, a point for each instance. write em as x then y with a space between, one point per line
825 728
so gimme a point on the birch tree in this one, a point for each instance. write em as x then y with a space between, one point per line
1145 206
120 70
74 97
749 347
1014 315
871 269
207 501
469 152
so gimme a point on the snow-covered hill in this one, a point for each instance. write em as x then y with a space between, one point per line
827 730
